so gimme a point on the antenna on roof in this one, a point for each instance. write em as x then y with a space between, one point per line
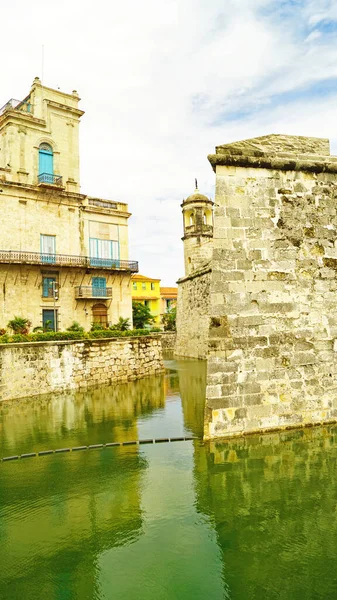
42 62
196 183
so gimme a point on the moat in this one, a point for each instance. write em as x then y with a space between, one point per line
241 520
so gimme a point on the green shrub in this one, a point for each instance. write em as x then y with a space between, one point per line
97 327
50 336
19 325
121 325
75 326
169 319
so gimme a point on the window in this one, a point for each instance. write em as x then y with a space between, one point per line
46 160
134 285
168 304
49 283
100 314
99 286
49 319
48 248
103 253
147 302
152 286
205 219
143 286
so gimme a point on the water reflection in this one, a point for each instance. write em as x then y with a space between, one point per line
247 519
97 416
58 514
272 500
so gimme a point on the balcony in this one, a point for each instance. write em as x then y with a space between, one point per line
90 291
48 179
65 260
22 105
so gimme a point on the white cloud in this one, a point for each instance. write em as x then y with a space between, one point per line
157 79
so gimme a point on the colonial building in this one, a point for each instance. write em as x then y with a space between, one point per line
146 290
168 299
63 255
193 304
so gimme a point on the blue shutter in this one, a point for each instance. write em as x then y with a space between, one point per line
99 286
46 162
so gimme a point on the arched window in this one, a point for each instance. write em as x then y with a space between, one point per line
100 314
46 162
191 219
205 219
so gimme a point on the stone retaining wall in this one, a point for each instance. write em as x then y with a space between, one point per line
168 341
44 367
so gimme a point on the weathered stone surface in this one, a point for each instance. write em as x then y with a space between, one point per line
44 367
273 309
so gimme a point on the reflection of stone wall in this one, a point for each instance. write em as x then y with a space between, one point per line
273 338
41 368
192 387
272 501
193 315
72 418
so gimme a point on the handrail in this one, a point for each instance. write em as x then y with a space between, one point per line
65 260
50 179
90 291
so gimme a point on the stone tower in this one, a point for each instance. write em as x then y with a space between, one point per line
197 212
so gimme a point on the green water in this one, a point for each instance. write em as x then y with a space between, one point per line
252 519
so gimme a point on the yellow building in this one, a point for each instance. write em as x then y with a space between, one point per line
147 291
63 255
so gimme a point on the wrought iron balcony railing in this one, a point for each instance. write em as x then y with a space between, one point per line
65 260
50 179
90 291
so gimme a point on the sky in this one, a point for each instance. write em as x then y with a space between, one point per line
162 82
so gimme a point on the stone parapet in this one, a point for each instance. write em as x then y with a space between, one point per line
46 367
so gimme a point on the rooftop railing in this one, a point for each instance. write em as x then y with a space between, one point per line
65 260
12 104
102 203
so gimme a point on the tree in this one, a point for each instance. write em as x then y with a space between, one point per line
141 315
169 319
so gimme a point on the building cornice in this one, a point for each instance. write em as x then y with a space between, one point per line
277 162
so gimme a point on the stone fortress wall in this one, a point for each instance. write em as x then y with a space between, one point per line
193 314
272 360
45 367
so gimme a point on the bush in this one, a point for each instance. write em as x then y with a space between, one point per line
169 319
50 336
3 332
97 327
121 325
19 325
75 326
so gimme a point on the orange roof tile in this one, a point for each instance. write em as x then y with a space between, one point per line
139 277
169 291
